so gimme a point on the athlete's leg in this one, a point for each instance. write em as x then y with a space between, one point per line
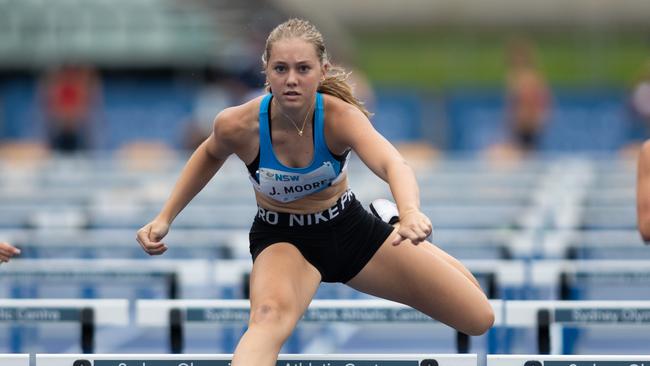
282 286
387 211
435 250
425 278
412 275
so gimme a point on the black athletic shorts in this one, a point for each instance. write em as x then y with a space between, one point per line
339 241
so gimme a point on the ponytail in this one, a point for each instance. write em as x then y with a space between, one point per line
336 84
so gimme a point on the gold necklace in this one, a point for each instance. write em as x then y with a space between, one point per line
304 122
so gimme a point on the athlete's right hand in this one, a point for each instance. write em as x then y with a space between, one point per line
7 251
150 236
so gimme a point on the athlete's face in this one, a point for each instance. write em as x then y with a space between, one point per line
294 71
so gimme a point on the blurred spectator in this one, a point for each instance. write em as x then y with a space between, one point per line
219 92
639 106
528 96
2 119
362 87
641 95
70 94
643 192
640 102
210 100
18 152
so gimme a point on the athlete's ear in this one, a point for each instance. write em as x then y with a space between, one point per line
324 69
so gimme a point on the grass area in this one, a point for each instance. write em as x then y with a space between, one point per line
438 59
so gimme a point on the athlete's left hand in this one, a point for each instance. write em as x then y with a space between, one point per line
415 226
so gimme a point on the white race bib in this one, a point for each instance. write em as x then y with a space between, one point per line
287 186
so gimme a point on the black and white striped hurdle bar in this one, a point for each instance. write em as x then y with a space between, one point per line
174 314
88 313
283 360
567 360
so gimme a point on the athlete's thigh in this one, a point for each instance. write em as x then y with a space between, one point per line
283 276
418 277
434 249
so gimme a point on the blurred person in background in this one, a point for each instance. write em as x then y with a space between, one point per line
639 107
640 102
70 93
212 97
219 92
309 228
7 251
2 120
643 192
527 96
641 95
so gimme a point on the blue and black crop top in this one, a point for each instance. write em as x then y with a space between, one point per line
286 184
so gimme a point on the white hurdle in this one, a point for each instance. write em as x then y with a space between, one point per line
503 273
283 360
87 312
228 242
14 359
550 316
567 360
175 275
174 314
155 313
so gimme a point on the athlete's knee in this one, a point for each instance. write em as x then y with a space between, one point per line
273 314
481 320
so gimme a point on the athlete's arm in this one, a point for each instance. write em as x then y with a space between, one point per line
200 168
643 192
356 131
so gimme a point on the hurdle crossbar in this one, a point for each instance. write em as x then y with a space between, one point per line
229 240
14 359
155 313
88 313
548 272
504 272
496 273
174 314
174 273
550 316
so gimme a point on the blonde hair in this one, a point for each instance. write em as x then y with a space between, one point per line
336 79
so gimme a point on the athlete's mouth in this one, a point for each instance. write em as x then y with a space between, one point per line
291 93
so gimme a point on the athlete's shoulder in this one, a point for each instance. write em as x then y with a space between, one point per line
233 122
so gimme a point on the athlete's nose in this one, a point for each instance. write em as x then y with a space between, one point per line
292 80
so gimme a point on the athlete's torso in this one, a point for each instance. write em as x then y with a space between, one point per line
290 187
